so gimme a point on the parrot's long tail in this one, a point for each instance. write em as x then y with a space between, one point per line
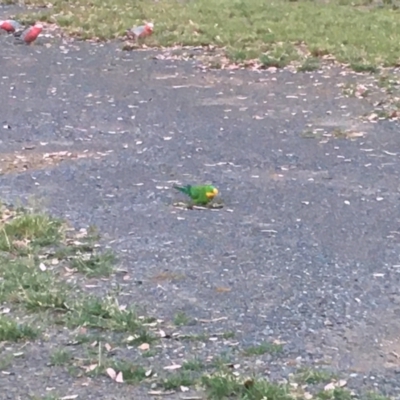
183 189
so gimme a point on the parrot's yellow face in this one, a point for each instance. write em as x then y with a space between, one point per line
212 194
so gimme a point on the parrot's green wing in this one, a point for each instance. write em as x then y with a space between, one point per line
200 194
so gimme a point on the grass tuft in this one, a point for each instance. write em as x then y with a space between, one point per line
314 376
176 380
94 265
60 357
263 348
221 386
132 373
12 331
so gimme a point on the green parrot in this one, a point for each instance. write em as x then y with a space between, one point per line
201 195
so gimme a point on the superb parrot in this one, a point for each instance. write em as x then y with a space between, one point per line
140 32
200 194
9 25
29 35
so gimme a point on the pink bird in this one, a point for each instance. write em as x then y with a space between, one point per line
9 25
139 32
30 35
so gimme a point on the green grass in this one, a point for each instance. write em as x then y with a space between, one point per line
314 376
94 265
224 386
181 319
263 348
360 33
10 330
60 357
31 283
336 394
176 380
132 373
193 365
26 231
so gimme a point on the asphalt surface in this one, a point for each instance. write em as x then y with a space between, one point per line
306 249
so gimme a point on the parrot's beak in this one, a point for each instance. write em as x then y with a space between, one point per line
215 191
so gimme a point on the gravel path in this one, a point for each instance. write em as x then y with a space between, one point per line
306 249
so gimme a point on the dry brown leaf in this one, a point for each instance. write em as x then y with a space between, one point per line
222 289
119 378
111 373
144 346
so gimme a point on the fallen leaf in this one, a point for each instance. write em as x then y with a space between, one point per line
162 333
355 134
108 347
172 367
119 378
342 383
111 373
308 396
184 389
91 367
330 386
222 289
148 373
144 346
42 267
